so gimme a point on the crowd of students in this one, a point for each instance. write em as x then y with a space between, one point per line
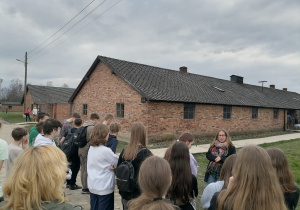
254 178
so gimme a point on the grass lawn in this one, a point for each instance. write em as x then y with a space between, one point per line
290 148
12 117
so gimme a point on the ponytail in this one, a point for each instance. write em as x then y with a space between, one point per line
145 202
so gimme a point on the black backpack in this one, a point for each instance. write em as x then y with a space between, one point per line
68 146
81 141
125 176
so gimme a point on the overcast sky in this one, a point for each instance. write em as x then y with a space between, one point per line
256 39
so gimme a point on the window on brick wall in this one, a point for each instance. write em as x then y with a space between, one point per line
188 111
120 110
9 107
275 113
254 113
84 109
227 112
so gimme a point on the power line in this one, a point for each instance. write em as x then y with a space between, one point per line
71 27
62 27
78 30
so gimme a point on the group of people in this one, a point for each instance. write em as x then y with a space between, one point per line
253 178
34 113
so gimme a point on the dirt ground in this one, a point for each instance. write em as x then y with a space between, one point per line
74 196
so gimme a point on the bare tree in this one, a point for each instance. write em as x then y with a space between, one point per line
65 85
49 83
14 92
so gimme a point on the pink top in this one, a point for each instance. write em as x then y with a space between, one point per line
27 111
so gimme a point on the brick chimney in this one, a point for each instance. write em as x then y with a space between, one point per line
272 86
237 79
284 89
183 69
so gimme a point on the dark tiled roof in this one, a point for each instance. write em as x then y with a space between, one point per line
49 95
158 84
10 103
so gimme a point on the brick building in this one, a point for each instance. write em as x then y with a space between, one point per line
171 102
52 100
11 107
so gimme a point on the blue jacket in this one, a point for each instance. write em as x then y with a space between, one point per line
112 142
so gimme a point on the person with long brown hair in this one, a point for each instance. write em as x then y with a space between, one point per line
253 185
188 139
288 186
100 164
36 180
136 152
220 148
222 183
154 180
184 188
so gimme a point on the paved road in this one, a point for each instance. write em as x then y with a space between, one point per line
76 198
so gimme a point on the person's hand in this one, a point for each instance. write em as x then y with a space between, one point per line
25 143
61 140
217 159
112 168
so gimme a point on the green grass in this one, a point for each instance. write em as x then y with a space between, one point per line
12 117
121 146
290 148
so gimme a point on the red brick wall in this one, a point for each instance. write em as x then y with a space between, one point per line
103 90
14 108
62 111
57 111
167 118
29 101
48 108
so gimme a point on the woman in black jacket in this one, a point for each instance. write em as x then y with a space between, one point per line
219 150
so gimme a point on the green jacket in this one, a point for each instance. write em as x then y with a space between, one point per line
32 134
54 206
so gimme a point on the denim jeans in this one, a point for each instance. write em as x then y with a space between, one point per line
211 179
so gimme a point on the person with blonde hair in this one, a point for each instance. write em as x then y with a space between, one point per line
288 186
254 184
34 113
100 164
220 148
154 179
36 180
136 152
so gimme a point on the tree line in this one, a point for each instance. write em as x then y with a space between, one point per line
15 91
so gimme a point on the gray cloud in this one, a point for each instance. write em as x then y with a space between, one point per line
255 39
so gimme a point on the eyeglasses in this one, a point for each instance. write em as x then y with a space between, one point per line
222 135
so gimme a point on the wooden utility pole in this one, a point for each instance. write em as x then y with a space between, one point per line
25 80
